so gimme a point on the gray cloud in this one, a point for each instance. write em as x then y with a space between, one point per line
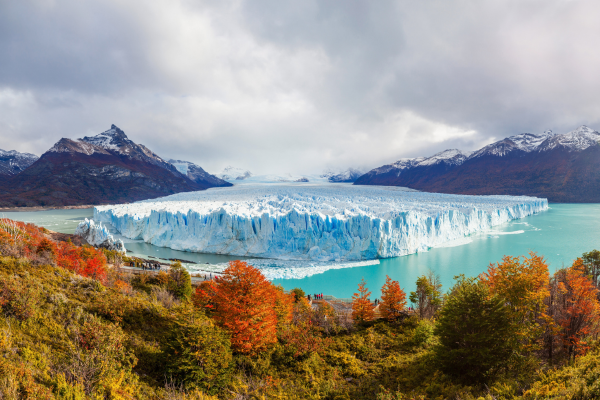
296 86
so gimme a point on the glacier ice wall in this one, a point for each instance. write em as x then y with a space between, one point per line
312 222
98 235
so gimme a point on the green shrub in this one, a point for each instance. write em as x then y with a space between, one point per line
180 282
424 333
200 354
18 299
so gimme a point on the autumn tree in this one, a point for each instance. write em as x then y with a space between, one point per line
428 296
575 308
362 308
243 302
523 283
393 300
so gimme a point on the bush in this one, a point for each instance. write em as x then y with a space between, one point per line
200 354
180 283
298 294
17 299
424 333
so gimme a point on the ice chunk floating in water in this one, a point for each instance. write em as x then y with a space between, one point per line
327 222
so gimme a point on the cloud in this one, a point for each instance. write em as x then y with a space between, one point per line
296 86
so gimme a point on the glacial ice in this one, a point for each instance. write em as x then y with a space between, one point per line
312 222
98 235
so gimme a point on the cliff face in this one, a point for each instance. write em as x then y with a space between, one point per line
107 168
561 168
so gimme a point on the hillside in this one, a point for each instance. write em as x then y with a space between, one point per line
106 168
73 325
561 168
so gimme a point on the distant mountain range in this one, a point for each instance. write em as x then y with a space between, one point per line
240 175
111 168
106 168
560 167
12 162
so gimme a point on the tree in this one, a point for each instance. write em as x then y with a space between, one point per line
476 333
284 307
575 308
362 308
591 263
523 282
243 302
180 282
428 296
298 294
393 300
199 354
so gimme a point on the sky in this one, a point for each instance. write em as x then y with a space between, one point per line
278 86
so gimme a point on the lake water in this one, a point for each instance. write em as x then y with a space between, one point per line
560 234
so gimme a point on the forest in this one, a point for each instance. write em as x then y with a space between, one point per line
75 325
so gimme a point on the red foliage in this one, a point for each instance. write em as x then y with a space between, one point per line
580 308
86 260
245 303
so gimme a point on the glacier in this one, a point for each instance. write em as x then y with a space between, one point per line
312 222
99 236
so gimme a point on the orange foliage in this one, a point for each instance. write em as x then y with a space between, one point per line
580 308
246 304
393 299
86 260
362 308
524 283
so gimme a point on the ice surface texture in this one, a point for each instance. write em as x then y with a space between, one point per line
326 222
98 235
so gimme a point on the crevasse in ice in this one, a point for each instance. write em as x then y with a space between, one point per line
327 222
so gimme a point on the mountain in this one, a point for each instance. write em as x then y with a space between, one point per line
232 174
560 167
106 168
349 175
12 162
197 174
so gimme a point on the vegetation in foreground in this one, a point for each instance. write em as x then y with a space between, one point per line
74 327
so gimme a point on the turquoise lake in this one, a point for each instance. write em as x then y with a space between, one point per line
560 234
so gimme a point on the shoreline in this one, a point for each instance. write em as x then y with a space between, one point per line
44 208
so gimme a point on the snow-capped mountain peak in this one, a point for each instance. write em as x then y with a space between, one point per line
112 139
450 156
349 175
196 173
12 162
577 140
234 174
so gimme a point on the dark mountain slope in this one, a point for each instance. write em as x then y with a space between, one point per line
108 168
561 168
198 174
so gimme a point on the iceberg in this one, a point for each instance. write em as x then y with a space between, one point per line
312 222
98 236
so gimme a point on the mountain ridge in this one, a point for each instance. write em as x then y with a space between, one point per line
106 168
560 167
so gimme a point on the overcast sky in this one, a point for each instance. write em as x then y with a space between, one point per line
296 86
